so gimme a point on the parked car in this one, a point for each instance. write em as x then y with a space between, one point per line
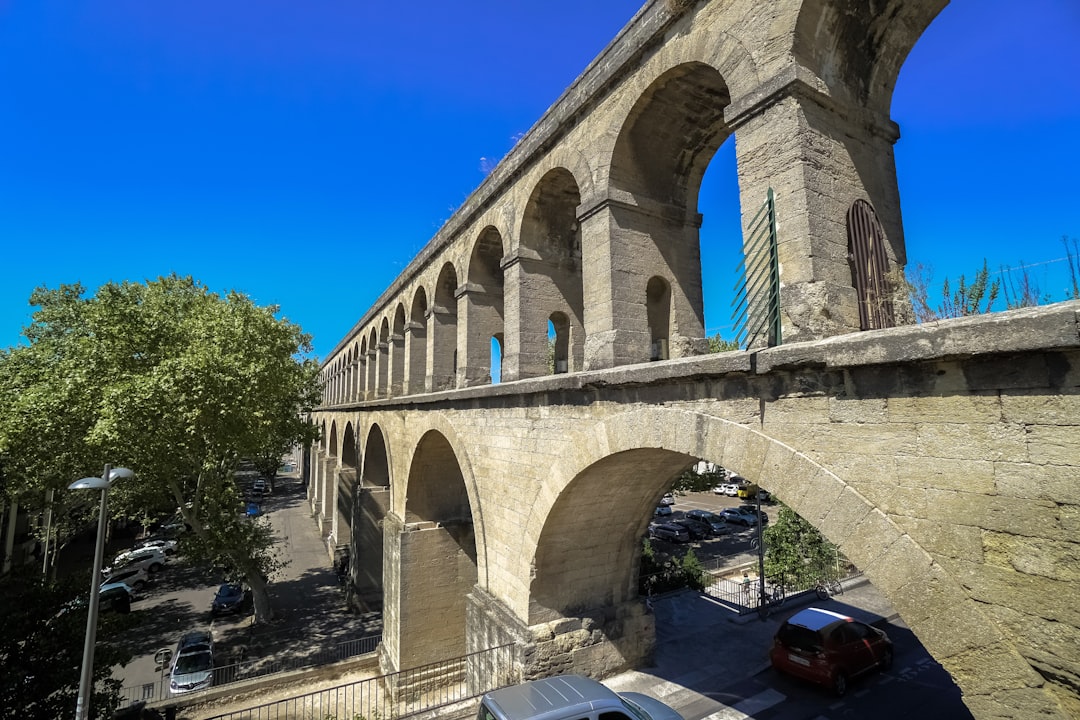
134 577
669 532
111 596
729 489
717 525
695 528
165 545
828 648
147 558
662 510
668 499
231 598
260 487
752 510
116 596
193 665
733 516
569 697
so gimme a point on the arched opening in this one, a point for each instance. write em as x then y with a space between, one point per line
549 267
345 488
658 312
483 308
383 361
362 371
496 358
443 330
416 344
371 506
558 343
431 596
659 160
373 365
397 351
578 570
329 479
356 374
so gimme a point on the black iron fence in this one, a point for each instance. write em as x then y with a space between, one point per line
257 667
396 695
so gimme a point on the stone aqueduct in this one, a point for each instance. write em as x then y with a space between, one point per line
941 458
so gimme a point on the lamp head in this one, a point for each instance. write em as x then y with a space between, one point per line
96 483
90 483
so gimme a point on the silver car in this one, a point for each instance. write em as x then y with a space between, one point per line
569 697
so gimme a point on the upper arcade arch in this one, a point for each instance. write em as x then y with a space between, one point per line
483 302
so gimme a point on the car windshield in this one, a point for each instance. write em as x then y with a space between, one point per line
194 662
228 592
799 638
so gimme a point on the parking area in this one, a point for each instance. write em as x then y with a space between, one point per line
734 547
308 602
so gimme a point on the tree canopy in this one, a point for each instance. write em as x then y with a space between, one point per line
168 379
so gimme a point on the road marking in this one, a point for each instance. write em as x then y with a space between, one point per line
750 707
662 690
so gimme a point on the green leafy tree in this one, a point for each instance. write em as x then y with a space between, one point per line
692 571
170 380
719 344
42 644
796 551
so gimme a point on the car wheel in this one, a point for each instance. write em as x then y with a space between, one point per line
138 585
839 683
154 567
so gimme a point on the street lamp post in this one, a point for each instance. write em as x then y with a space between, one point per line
102 483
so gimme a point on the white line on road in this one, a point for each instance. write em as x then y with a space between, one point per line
749 707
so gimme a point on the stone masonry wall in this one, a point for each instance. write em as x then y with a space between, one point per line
941 458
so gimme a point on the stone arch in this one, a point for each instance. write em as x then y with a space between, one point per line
372 364
933 603
857 49
357 369
482 307
663 148
441 426
442 330
548 277
397 351
362 374
371 505
437 545
345 486
416 343
382 382
325 507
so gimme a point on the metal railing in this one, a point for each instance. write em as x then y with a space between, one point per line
396 695
743 597
257 667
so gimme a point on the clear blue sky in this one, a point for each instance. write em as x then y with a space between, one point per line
303 153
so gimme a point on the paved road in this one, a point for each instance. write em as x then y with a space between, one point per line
711 664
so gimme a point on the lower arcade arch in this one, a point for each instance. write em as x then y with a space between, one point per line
434 543
624 473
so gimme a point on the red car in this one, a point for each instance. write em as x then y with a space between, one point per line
828 648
